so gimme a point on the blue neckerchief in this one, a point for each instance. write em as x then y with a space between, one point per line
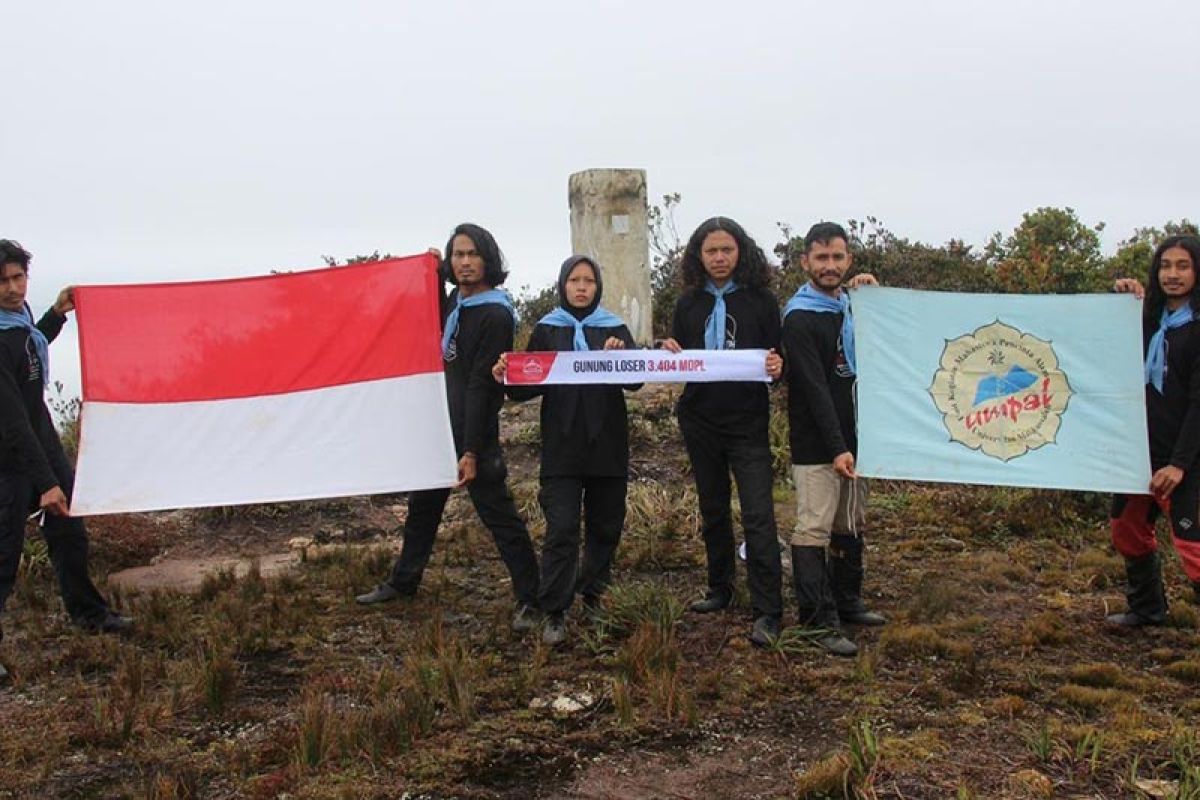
1156 353
714 328
497 296
809 299
24 319
600 318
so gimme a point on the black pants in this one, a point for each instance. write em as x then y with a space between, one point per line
714 452
602 502
494 504
66 540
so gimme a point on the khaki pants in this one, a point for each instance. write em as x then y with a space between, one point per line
826 503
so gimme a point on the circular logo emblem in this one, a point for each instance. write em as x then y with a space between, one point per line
1000 391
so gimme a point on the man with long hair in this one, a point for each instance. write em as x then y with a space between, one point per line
726 305
477 327
1171 338
827 543
34 471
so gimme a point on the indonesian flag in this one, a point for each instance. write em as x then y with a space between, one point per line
312 384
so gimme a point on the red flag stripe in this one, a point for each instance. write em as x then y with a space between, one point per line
248 337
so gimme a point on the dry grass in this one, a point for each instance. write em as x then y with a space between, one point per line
1089 699
922 641
1100 675
1045 629
1186 671
995 678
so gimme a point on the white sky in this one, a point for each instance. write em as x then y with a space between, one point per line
172 141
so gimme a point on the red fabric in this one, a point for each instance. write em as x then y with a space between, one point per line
248 337
1133 533
528 368
1189 556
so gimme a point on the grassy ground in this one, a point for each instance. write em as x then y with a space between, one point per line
994 679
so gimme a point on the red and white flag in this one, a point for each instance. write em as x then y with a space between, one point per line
323 383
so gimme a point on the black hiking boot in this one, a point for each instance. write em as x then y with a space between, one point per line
846 580
1145 595
526 618
109 623
765 631
383 593
814 599
714 600
554 629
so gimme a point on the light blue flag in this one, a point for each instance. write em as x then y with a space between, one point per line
1007 390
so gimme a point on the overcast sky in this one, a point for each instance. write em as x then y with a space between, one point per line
173 141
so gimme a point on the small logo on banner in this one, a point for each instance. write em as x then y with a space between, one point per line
1000 391
525 368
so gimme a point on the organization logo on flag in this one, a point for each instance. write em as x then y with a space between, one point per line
1000 391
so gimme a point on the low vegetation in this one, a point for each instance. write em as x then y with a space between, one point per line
995 677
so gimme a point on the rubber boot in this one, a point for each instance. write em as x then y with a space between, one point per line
814 599
1147 600
714 600
846 579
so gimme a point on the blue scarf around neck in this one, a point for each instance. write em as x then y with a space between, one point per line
600 318
809 299
714 328
497 296
24 319
1156 352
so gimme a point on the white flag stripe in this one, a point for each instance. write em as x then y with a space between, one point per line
362 438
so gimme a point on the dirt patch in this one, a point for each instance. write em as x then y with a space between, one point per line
187 574
724 765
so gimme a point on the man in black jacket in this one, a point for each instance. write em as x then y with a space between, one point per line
34 471
726 305
478 327
827 544
1171 337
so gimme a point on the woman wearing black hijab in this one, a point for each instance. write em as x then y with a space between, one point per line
585 449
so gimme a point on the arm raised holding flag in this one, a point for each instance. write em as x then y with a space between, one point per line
1171 337
478 327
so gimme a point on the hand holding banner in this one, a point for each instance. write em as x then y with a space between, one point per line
636 366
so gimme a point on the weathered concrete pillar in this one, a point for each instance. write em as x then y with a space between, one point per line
608 223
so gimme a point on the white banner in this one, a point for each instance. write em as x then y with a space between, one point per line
636 366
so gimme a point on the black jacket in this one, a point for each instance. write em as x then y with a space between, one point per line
752 321
26 431
820 388
484 332
585 429
1174 415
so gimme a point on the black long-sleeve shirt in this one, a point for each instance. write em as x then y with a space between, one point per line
26 431
1174 415
474 397
751 322
585 429
820 388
